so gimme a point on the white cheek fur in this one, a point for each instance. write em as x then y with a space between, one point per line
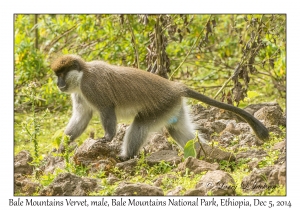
73 80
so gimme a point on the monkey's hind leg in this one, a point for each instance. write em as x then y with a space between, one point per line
109 122
135 137
181 128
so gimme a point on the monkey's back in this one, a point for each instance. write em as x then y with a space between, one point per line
129 88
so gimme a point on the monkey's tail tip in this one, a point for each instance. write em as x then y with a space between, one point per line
263 134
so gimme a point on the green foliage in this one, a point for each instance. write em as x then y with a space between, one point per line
47 179
78 170
206 47
203 51
189 181
106 190
161 168
189 149
272 154
230 166
100 175
58 137
33 125
66 153
268 161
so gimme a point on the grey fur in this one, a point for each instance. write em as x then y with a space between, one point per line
116 92
81 115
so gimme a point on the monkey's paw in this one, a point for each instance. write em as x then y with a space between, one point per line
123 158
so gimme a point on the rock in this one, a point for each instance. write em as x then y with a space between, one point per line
52 163
196 166
128 166
217 183
243 127
281 159
175 191
138 189
230 127
68 184
97 154
168 156
271 115
203 115
199 112
23 167
250 140
282 174
216 126
274 129
265 178
280 146
25 185
91 151
21 163
252 108
253 164
118 139
214 153
253 153
195 192
226 138
105 165
221 114
159 181
111 179
157 143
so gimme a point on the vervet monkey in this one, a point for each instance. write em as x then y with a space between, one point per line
120 92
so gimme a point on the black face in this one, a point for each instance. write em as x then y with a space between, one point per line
63 80
61 84
61 77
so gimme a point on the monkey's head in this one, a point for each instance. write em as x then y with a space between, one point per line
68 69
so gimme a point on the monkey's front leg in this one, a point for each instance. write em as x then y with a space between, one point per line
109 122
81 115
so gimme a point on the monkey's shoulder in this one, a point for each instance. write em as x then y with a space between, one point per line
129 76
101 67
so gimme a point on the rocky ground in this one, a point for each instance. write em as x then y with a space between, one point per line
222 128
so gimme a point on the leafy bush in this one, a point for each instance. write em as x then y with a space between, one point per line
201 50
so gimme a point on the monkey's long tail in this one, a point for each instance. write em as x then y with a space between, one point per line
260 130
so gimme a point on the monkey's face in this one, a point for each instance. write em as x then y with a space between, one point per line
69 81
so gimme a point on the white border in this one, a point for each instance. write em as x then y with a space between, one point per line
8 8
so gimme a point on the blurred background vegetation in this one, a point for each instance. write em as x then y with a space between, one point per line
238 59
203 51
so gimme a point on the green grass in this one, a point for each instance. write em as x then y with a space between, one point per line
55 122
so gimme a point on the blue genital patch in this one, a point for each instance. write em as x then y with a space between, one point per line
173 120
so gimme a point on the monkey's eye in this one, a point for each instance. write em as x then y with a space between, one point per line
60 74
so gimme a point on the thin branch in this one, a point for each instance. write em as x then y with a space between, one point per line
59 37
158 44
134 43
226 83
196 42
201 147
36 32
241 63
108 44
